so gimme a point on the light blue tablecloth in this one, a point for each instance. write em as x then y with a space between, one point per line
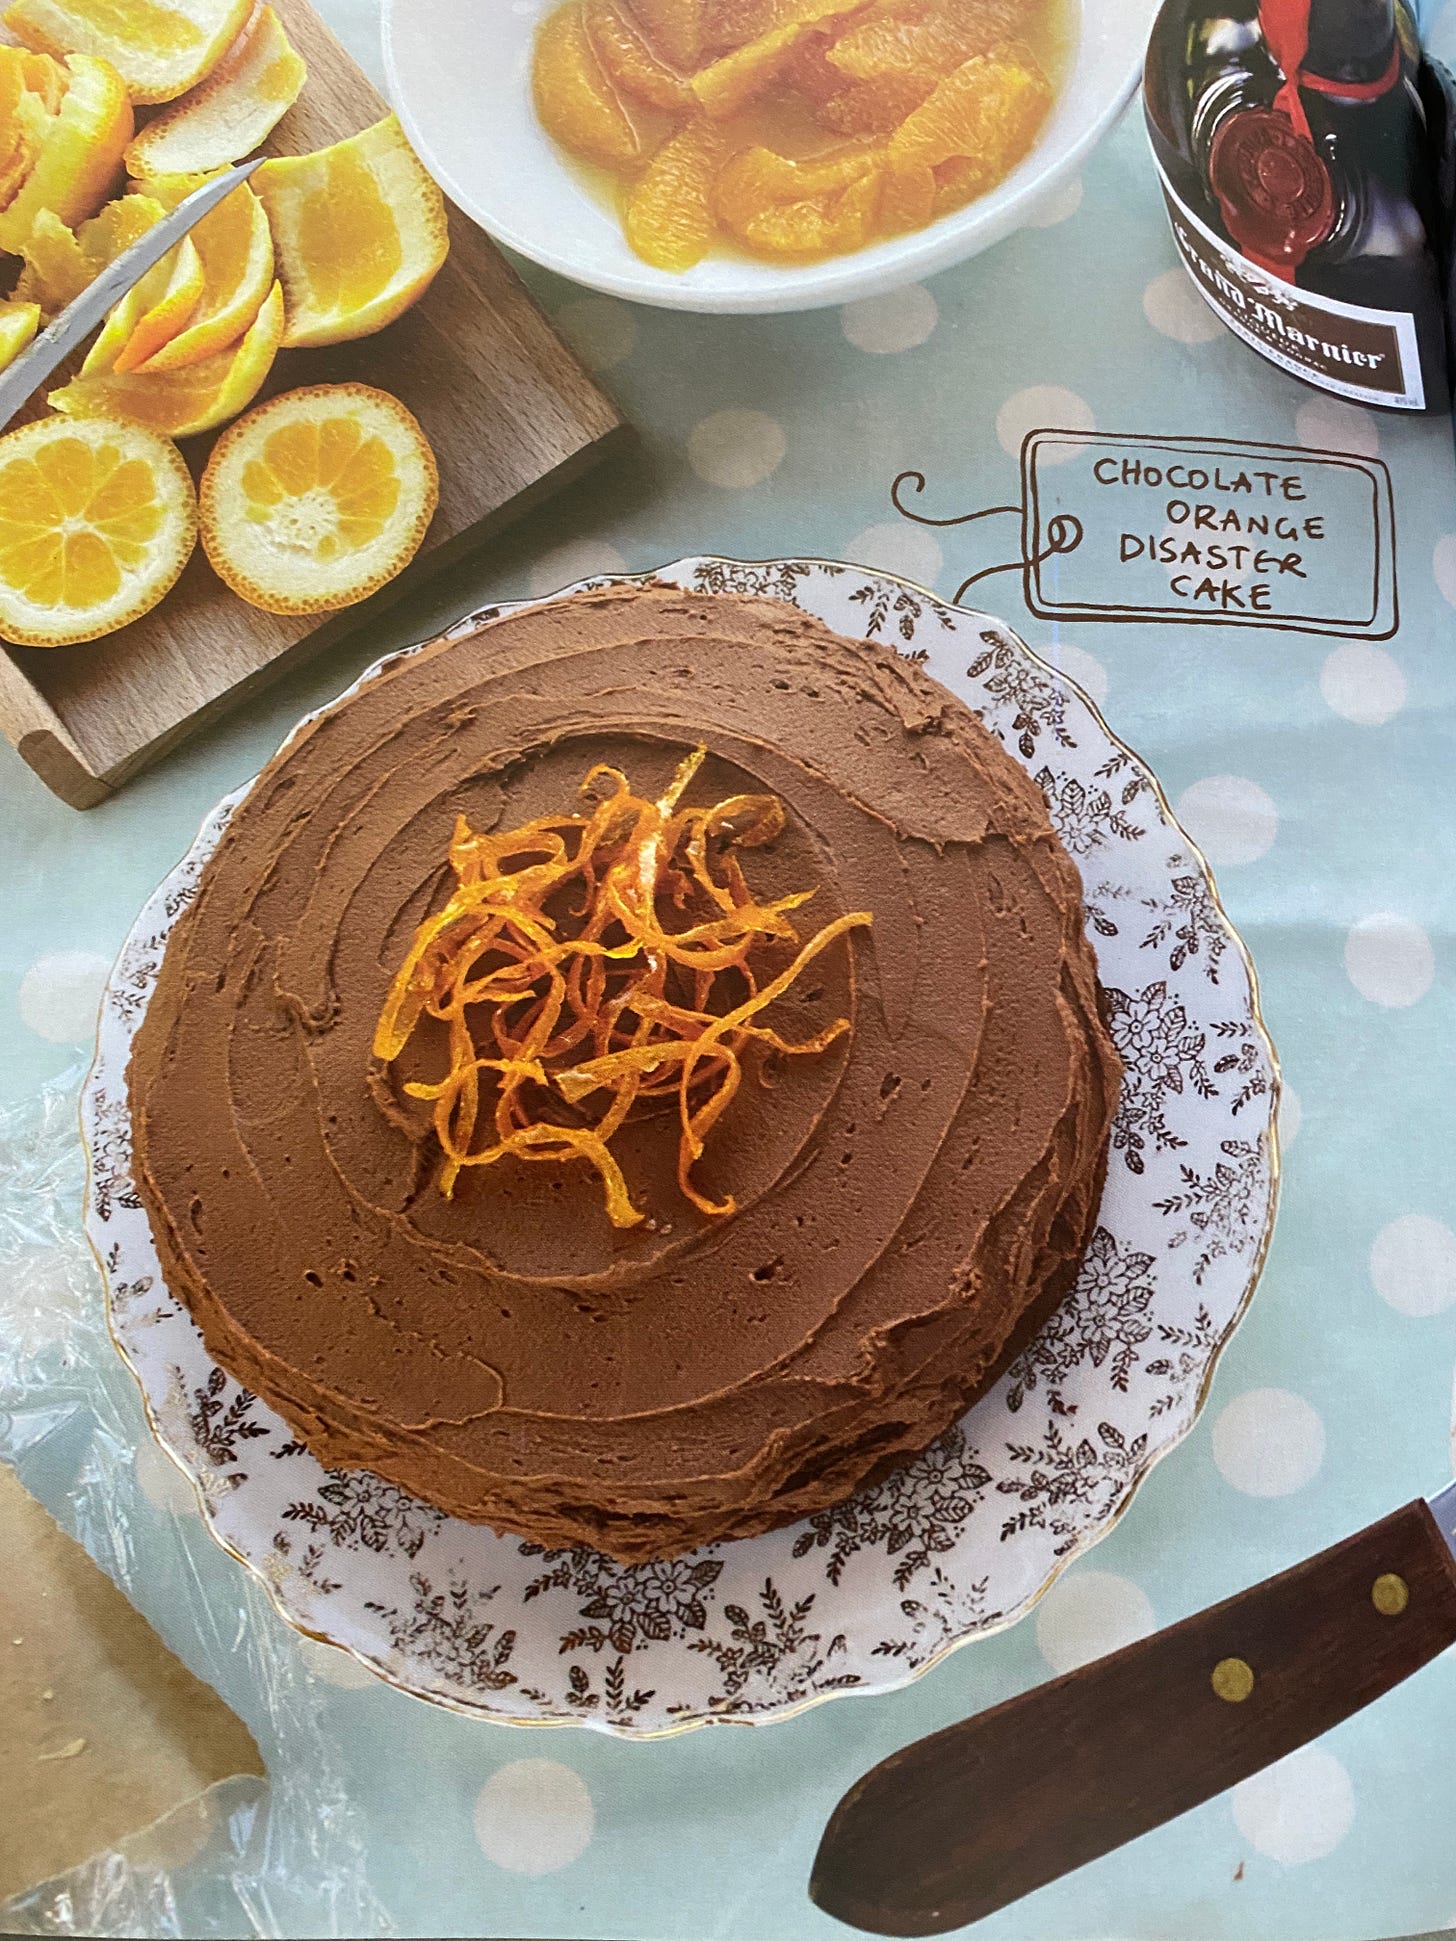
1320 775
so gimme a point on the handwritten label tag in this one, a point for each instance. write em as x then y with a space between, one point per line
1209 531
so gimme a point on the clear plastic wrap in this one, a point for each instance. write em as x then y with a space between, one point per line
247 1859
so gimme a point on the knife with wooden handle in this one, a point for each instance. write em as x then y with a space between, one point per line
958 1824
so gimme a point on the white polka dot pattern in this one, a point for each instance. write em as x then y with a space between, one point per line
1389 960
60 995
1088 1613
1268 1442
601 330
736 449
1298 1810
1363 683
1413 1265
1330 424
1062 204
580 559
898 321
898 547
1042 407
1231 819
534 1816
1173 307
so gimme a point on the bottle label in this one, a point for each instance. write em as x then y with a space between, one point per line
1370 356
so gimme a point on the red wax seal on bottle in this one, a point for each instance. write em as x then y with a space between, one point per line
1273 188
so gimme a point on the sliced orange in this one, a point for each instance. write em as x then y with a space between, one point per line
18 325
627 59
574 98
878 107
670 219
908 200
166 297
898 36
59 262
985 113
675 27
740 77
799 209
197 398
232 112
159 47
359 232
96 522
318 498
44 76
78 152
235 246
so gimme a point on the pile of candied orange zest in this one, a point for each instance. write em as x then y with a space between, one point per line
628 1005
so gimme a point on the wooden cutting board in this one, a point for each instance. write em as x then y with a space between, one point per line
510 413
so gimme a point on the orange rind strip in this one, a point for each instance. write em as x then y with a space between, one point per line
604 990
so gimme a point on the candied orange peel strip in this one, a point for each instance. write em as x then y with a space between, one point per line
585 954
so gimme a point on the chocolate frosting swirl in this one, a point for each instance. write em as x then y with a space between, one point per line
911 1202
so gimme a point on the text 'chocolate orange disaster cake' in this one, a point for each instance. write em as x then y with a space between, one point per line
628 1076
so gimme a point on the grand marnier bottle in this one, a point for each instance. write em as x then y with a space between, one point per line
1299 167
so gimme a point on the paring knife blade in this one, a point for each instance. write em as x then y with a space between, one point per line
965 1821
76 322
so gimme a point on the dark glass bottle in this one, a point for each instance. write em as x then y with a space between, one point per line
1295 136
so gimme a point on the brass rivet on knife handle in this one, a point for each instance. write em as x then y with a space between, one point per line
1390 1594
1232 1680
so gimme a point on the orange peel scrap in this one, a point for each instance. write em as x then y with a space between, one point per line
582 954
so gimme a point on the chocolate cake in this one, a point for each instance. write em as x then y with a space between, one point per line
875 1223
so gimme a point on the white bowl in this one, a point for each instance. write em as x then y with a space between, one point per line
459 77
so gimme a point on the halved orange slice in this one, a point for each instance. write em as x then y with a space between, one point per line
627 59
161 304
985 113
77 152
18 325
740 77
59 263
182 403
235 246
359 231
318 498
232 112
96 522
670 221
575 100
159 47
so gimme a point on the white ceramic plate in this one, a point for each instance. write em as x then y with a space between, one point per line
459 78
963 1540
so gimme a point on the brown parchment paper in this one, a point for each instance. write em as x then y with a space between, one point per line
102 1730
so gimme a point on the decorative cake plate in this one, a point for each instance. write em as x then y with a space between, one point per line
964 1540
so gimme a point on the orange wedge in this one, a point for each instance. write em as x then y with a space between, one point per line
235 247
575 99
77 153
740 77
166 298
159 47
59 262
96 522
318 498
197 398
18 325
359 231
985 113
233 111
628 61
670 221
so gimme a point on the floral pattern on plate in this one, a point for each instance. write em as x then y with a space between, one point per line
867 1595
